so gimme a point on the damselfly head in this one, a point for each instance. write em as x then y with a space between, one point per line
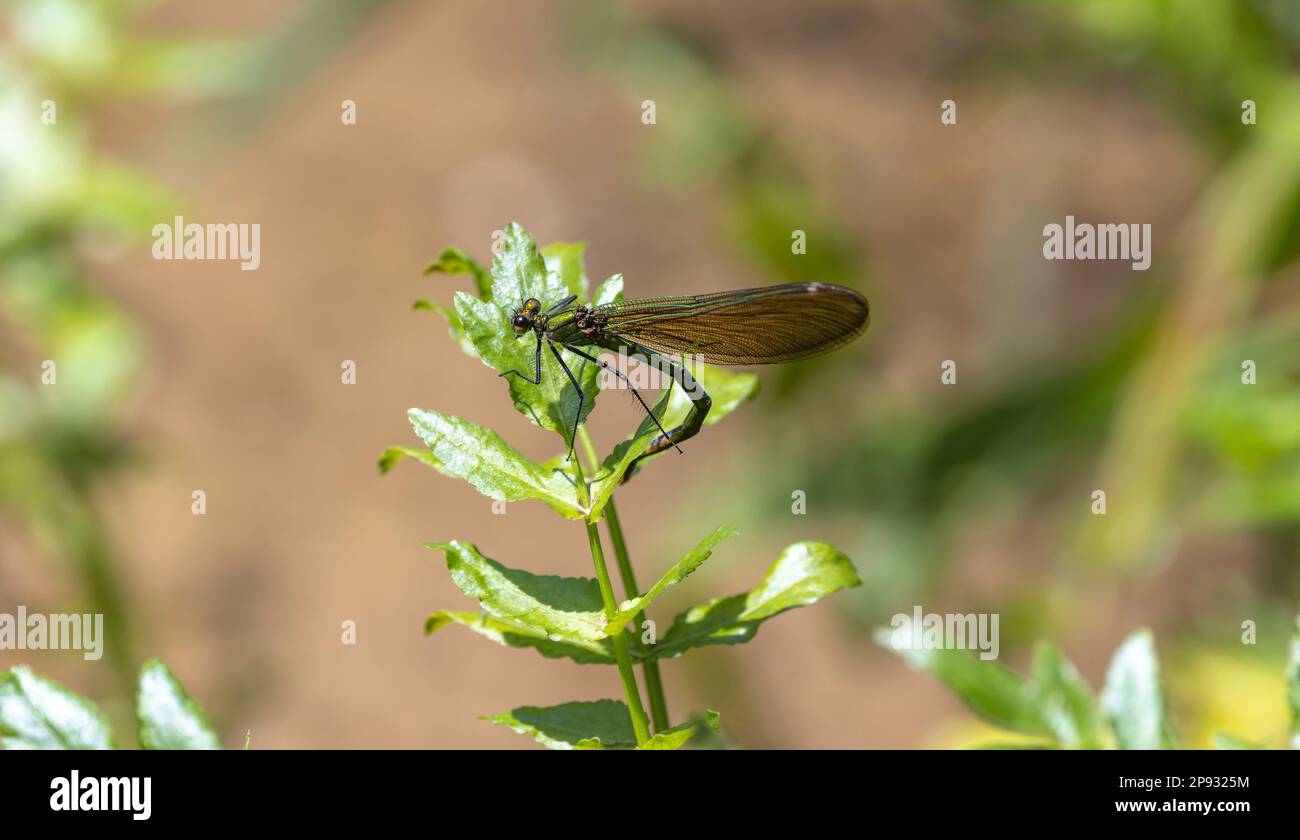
522 321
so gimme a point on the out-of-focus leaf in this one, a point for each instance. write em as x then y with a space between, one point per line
169 718
461 449
609 291
1228 741
1293 685
1065 701
991 691
805 573
192 68
74 41
124 200
40 714
98 352
672 739
1266 497
565 260
514 634
454 328
563 608
1134 699
691 561
454 261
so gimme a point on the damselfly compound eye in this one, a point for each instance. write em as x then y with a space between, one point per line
520 324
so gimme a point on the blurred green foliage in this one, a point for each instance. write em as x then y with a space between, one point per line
1055 706
68 354
39 714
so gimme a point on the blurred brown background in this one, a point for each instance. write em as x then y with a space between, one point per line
470 115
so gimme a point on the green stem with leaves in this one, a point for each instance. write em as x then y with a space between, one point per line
576 617
619 638
654 685
622 654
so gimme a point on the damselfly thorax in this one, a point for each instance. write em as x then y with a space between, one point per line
578 326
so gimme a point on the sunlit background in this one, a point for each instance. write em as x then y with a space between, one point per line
770 117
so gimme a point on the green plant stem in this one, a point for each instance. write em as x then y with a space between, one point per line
622 655
619 637
654 685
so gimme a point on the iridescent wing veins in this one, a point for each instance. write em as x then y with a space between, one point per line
761 326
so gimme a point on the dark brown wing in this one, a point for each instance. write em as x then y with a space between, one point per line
760 326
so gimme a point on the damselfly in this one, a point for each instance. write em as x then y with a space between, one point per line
760 326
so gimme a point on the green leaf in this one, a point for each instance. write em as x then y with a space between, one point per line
514 634
1133 698
805 573
454 261
169 718
393 454
461 449
991 691
551 404
454 328
562 608
615 465
672 739
519 272
1065 701
565 260
691 561
728 391
1228 741
584 725
610 291
1293 685
481 325
40 714
595 725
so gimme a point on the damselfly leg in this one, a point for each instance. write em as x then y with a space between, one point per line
664 434
582 396
537 361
